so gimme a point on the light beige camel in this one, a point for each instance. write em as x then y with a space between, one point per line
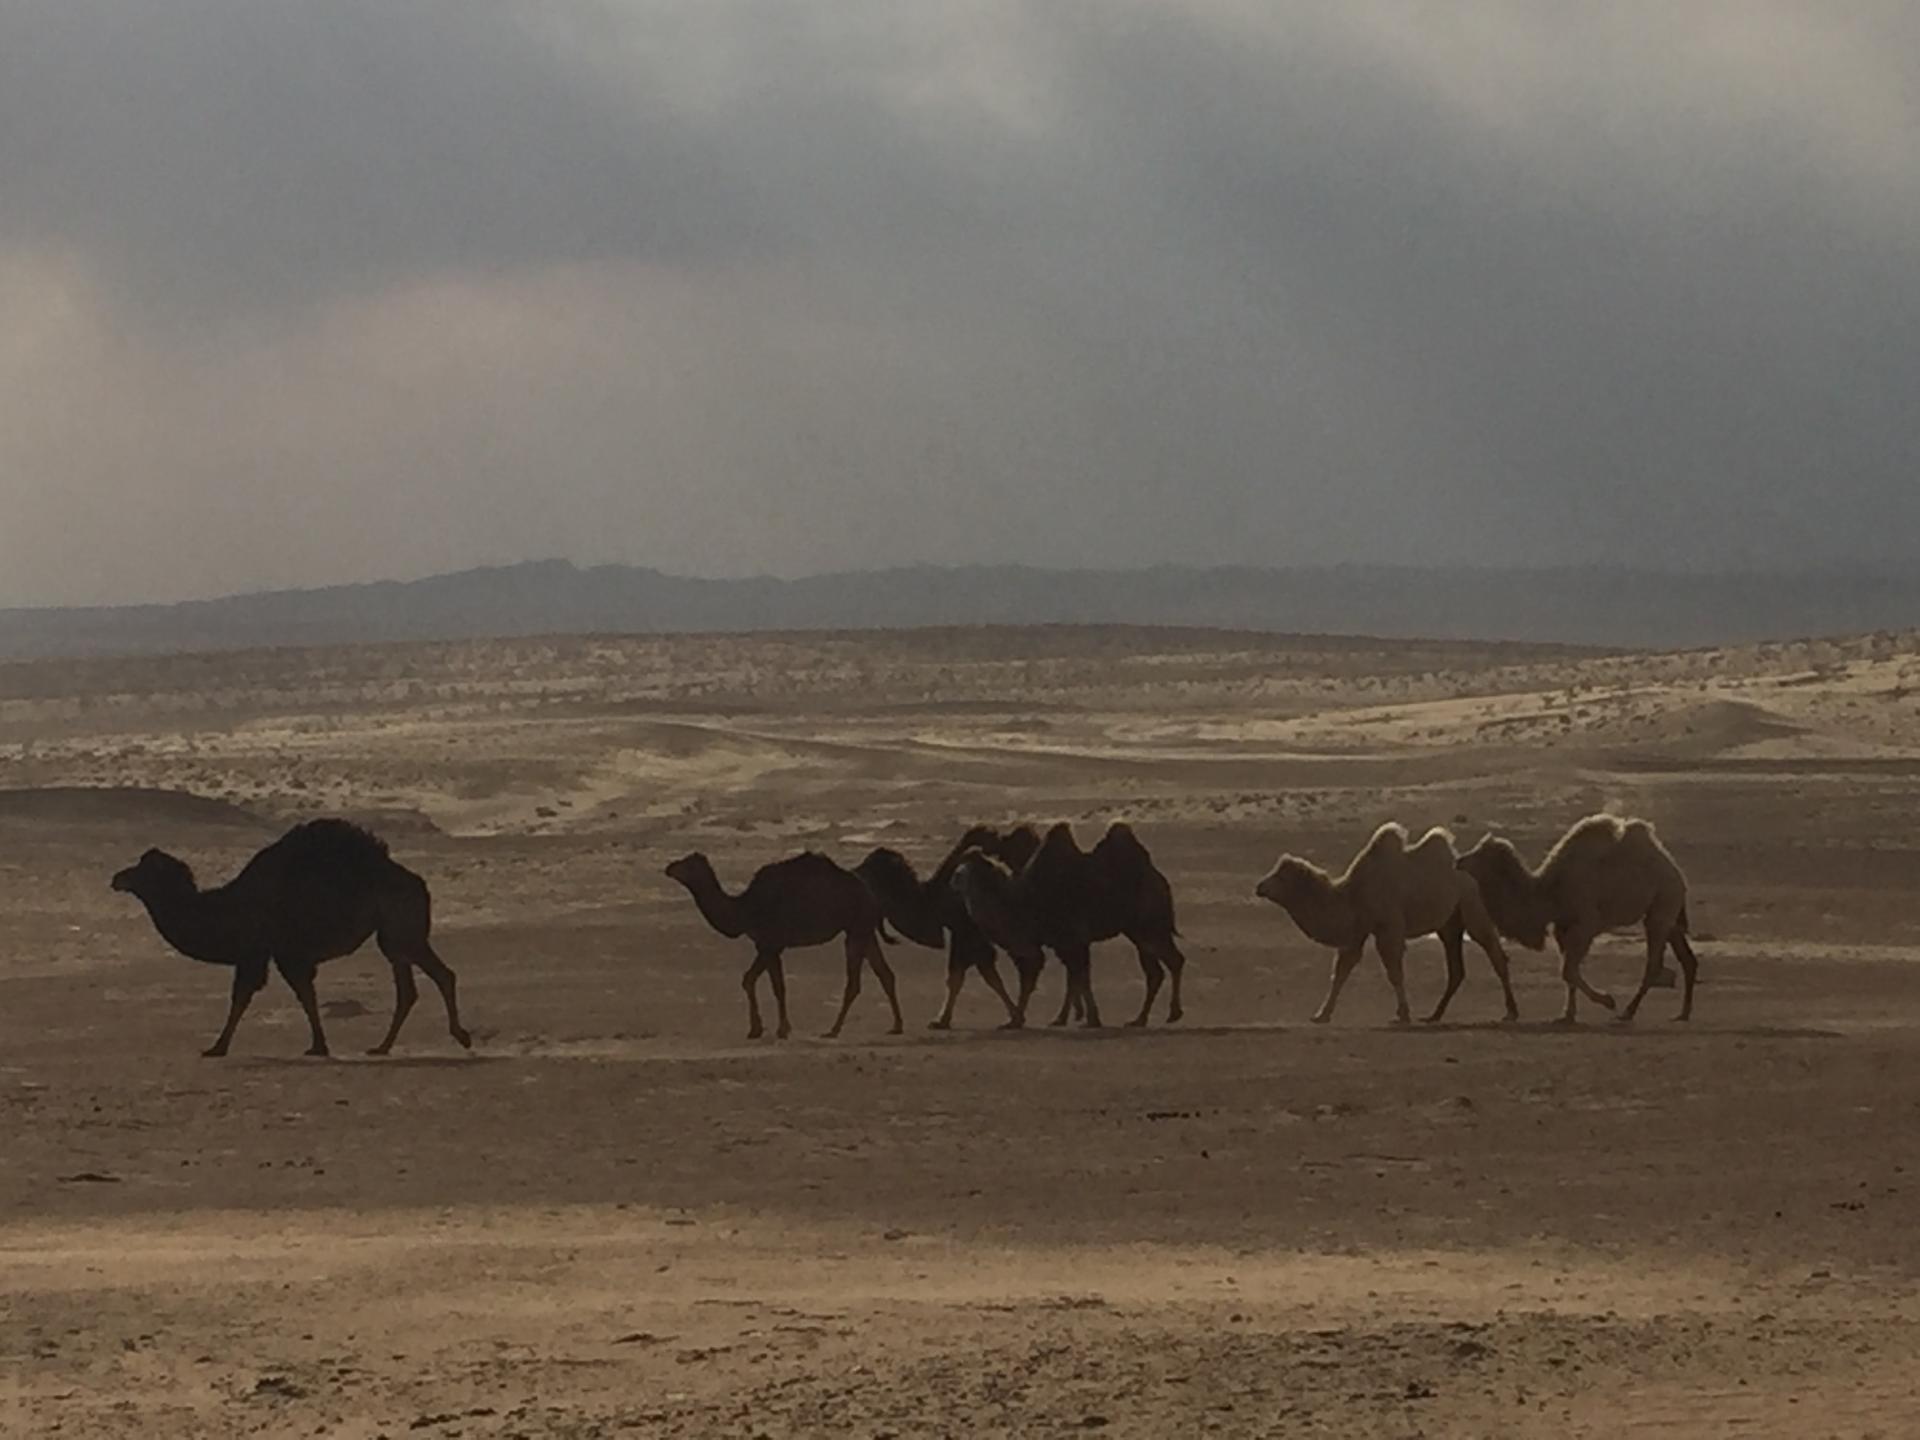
1391 893
1604 873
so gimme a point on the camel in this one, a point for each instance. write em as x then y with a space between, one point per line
1393 892
804 900
1065 899
313 895
1605 872
930 912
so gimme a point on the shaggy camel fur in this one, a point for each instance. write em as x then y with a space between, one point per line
803 900
1391 893
1065 900
313 895
1605 872
930 912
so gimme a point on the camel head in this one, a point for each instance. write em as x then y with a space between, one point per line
155 874
896 885
1013 848
979 837
691 870
1290 881
977 874
1504 881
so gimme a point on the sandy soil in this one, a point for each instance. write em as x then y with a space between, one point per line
619 1217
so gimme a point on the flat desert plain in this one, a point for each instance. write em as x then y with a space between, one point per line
618 1216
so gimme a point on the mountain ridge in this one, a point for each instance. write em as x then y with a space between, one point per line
1585 605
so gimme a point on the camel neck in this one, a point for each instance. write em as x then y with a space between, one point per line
190 922
722 911
1325 914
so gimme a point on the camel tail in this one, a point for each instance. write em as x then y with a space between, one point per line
886 934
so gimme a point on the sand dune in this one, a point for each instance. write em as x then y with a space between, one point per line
618 1217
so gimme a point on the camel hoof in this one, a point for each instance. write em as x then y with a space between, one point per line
1625 1017
1317 1018
321 1053
1403 1022
1433 1019
936 1025
213 1052
1139 1022
1567 1022
898 1029
1016 1023
463 1038
380 1050
1604 1000
1174 1017
755 1033
1683 1018
1512 1017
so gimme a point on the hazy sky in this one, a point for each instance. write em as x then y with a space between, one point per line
298 291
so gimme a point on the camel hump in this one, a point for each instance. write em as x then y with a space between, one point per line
807 865
1389 839
1436 840
1586 842
337 844
1123 851
1016 846
884 866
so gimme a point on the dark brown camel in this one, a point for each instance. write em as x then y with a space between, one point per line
313 895
800 901
1065 900
929 912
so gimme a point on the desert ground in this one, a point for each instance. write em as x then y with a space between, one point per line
617 1216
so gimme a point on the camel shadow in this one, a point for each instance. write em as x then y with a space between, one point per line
1645 1029
370 1062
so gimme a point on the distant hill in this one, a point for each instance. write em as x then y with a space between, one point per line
1590 606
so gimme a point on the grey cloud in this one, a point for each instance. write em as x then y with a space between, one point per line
793 287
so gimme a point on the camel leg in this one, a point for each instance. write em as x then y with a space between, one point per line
441 974
1656 931
1574 945
1079 963
1028 967
1689 969
856 961
959 960
299 977
990 972
405 992
777 978
1392 945
1176 962
750 982
876 957
1155 975
1483 933
1067 1000
944 1020
1452 940
248 979
1343 963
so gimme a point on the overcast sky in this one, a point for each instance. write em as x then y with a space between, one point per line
302 291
